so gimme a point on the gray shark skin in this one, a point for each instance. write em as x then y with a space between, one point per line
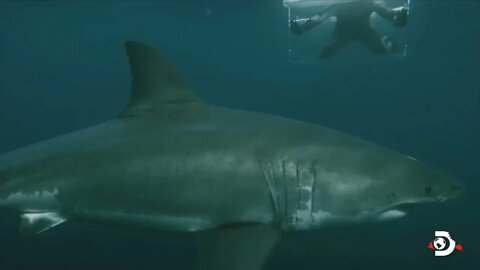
236 179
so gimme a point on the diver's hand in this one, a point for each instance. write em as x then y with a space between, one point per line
401 17
301 26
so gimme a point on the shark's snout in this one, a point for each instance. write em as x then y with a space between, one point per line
454 191
457 189
436 188
439 187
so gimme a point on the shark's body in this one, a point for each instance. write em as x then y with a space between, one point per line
172 163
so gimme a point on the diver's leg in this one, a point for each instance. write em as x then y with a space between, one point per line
333 47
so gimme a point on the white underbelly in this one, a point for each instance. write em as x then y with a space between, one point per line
161 222
179 222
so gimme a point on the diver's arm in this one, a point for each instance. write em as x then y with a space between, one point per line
398 16
328 12
383 10
301 26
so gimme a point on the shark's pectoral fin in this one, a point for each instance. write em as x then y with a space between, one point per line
157 88
236 247
36 223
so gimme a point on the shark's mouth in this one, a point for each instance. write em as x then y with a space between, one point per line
396 211
405 207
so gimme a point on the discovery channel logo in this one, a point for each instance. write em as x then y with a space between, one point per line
443 244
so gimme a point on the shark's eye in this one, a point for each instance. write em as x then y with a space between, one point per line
428 190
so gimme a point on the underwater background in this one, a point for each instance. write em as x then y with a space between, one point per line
63 68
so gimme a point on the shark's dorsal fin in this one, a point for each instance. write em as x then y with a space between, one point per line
157 88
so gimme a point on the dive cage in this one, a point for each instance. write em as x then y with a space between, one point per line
305 48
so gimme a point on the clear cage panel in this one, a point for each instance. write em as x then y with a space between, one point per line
347 30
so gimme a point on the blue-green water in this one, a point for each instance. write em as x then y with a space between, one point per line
62 68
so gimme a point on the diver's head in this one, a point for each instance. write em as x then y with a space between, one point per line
401 18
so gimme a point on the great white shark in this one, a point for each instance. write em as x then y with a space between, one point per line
234 178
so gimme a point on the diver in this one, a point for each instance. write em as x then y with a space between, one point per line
353 24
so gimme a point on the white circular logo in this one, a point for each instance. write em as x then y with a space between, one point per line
443 244
439 243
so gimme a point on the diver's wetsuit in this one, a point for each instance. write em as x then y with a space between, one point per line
353 24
